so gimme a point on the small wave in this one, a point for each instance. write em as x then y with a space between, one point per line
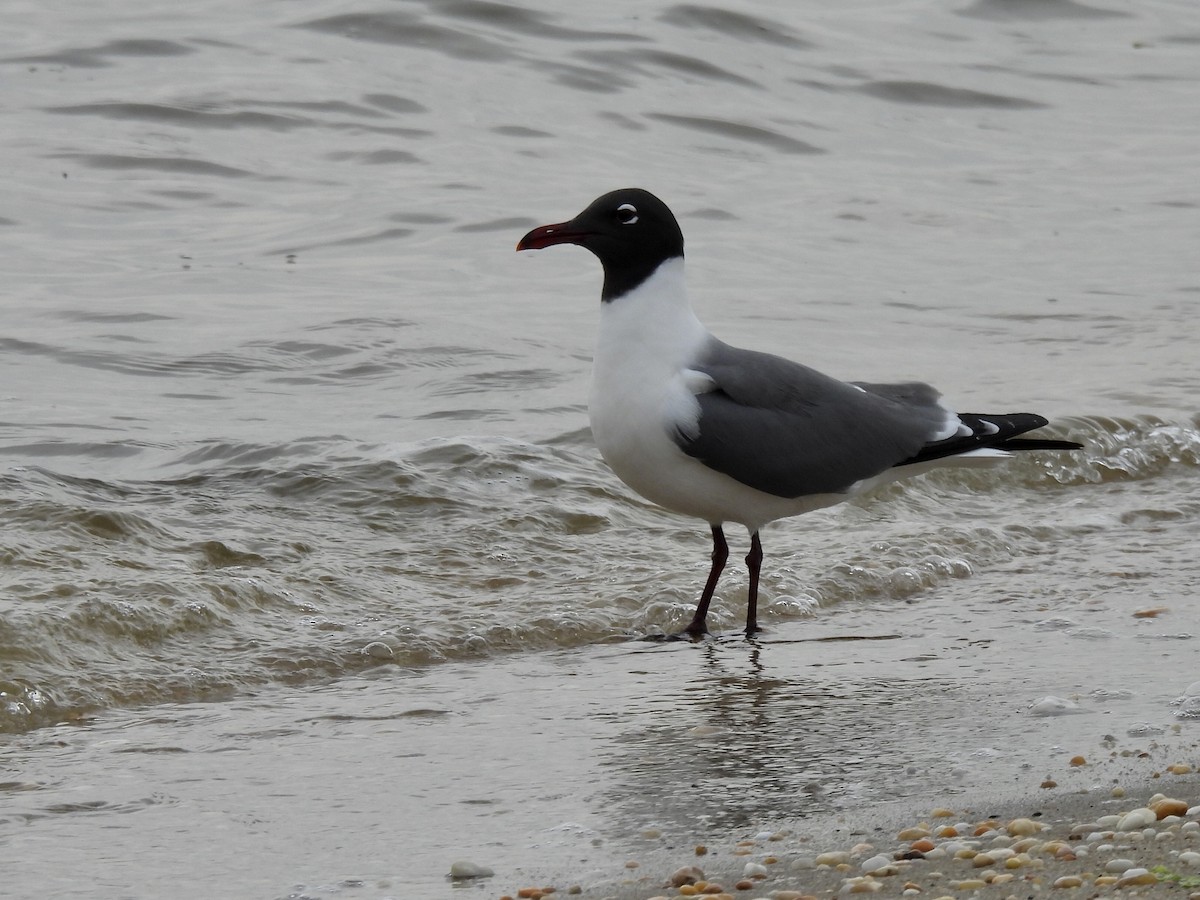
1038 10
514 19
97 57
384 157
738 25
1131 449
181 115
372 237
176 165
592 79
83 315
319 361
925 94
644 60
297 563
410 30
393 103
738 131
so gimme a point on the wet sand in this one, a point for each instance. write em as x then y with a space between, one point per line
807 745
1054 838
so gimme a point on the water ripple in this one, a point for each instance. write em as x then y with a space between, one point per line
1037 10
99 56
926 94
730 23
738 131
408 30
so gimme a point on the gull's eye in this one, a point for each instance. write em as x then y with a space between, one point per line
627 214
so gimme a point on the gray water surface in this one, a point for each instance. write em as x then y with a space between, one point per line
299 507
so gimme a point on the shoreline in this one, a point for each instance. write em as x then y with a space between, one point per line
1138 835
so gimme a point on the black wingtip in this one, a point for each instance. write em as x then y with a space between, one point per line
993 432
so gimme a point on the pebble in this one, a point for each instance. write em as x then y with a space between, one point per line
834 858
1137 818
864 885
465 869
686 875
1137 876
1169 807
1023 827
1054 706
970 884
1015 853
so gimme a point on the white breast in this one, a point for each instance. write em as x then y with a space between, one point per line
643 392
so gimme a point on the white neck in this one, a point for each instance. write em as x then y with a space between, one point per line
652 326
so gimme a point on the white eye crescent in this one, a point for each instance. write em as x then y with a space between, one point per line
627 213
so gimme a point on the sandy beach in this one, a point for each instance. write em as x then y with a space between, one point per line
1134 830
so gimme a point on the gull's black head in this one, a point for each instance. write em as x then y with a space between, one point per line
631 232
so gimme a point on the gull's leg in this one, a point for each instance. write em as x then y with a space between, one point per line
753 563
720 553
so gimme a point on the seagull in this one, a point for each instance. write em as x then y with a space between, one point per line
725 435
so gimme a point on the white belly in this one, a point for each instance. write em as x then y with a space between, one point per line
635 442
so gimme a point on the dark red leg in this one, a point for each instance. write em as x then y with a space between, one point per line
720 553
753 563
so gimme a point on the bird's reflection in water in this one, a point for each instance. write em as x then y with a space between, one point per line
741 743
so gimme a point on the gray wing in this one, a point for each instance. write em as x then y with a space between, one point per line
785 429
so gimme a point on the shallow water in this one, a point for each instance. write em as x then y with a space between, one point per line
289 432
